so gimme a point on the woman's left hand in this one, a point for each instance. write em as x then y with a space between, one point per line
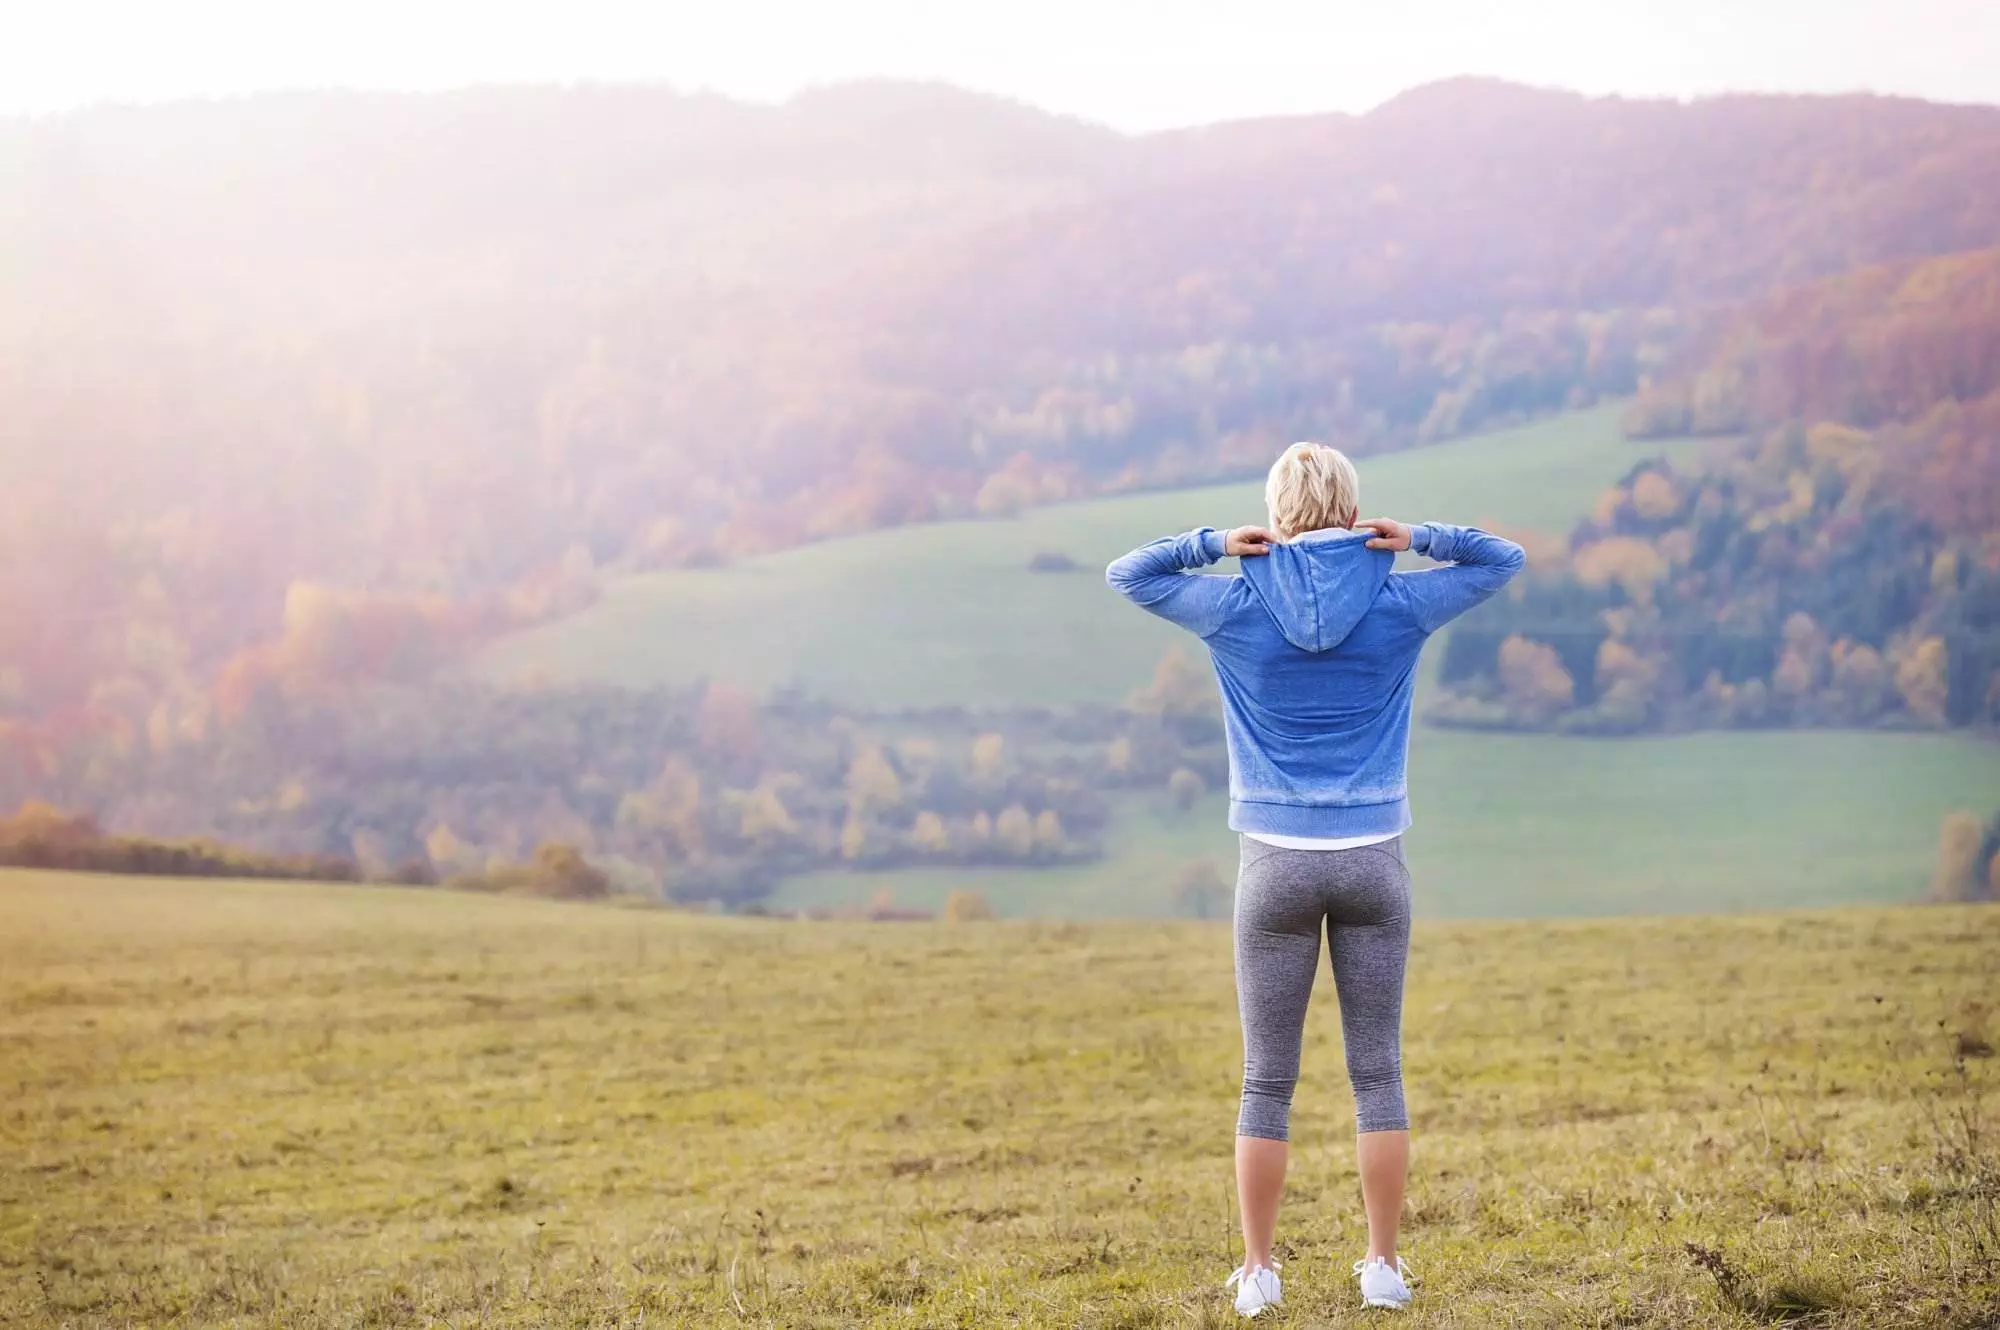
1389 533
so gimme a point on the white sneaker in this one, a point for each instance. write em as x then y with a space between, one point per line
1383 1285
1255 1289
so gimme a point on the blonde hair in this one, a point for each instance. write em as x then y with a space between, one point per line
1312 487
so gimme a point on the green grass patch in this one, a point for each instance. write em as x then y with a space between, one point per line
1528 825
244 1104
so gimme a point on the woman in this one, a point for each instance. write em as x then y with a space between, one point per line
1315 645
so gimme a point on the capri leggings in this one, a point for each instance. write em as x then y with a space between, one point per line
1362 896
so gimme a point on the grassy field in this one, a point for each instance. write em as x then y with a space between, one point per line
949 615
1528 825
259 1105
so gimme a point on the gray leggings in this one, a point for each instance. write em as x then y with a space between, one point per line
1282 897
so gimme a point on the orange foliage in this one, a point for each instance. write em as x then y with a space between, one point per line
1653 495
1534 678
1948 464
334 639
1627 560
1878 344
727 728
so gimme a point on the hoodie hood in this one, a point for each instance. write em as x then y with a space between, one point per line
1317 588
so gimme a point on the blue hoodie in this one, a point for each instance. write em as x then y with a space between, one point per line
1315 645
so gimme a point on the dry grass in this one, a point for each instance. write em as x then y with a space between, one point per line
244 1104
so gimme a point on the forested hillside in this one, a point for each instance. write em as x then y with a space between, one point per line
1840 567
301 397
300 390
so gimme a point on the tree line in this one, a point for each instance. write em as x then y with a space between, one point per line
1839 566
701 794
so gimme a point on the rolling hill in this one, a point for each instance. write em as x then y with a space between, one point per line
950 614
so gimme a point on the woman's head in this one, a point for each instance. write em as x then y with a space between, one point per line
1312 487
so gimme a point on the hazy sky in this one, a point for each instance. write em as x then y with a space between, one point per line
1138 64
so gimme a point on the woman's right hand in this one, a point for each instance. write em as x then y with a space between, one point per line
1247 541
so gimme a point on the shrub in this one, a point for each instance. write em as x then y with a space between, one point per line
40 836
1957 877
561 871
966 906
1185 787
1201 889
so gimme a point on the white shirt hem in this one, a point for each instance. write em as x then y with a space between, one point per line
1320 843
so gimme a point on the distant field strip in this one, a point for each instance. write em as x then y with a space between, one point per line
950 615
1531 824
240 1104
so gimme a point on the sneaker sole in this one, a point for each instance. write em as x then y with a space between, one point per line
1386 1304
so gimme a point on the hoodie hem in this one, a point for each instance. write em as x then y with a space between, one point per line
1327 821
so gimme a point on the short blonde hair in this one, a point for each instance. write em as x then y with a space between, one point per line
1312 487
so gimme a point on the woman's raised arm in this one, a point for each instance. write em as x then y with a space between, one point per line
1155 576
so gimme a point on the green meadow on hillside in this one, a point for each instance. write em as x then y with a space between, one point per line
950 614
248 1104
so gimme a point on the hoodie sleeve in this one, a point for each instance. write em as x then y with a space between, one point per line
1154 577
1480 564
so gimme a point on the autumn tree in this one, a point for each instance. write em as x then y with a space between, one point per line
1004 494
667 812
766 821
450 855
1118 756
1654 497
1630 562
1627 683
370 850
561 870
1957 877
1185 787
1537 686
989 759
928 834
873 787
1200 889
858 838
1014 831
965 906
728 731
1179 688
1861 683
1920 676
1048 838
